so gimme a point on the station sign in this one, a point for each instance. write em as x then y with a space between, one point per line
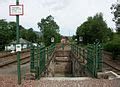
80 39
18 47
16 10
52 39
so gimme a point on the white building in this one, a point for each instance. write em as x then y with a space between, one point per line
12 46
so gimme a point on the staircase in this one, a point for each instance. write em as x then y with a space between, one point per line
62 65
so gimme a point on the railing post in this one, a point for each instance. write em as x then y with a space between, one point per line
99 54
32 58
95 61
38 59
37 63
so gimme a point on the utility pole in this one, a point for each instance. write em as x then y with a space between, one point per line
18 52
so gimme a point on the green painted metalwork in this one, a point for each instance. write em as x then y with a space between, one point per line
91 61
92 54
41 60
39 57
62 46
32 59
99 55
18 53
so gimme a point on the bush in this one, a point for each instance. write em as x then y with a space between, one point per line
114 47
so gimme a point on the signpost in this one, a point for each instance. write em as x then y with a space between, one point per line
52 39
18 47
16 10
80 39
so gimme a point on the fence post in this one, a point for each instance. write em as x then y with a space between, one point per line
37 63
32 58
99 46
96 60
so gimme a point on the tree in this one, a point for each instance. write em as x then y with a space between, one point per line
94 29
113 46
49 29
4 33
116 12
29 35
12 30
8 33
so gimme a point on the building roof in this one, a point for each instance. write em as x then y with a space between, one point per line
21 41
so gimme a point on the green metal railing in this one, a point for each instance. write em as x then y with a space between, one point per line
39 57
99 48
92 54
79 52
50 50
92 59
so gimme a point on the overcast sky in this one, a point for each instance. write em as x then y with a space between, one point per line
68 14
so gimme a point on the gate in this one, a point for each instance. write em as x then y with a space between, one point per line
94 59
38 59
92 54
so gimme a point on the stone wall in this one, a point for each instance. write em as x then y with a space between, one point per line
78 66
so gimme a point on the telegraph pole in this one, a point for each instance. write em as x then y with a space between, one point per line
18 53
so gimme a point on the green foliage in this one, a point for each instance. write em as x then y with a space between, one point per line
49 29
4 33
8 33
57 38
29 35
12 30
94 29
73 37
113 46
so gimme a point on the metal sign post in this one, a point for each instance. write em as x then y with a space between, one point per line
18 53
16 10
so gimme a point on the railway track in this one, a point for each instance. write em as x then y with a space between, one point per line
10 59
109 64
111 68
11 54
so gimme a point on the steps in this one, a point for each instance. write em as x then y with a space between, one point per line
62 66
77 82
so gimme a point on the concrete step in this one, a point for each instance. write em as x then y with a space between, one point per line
76 82
63 75
66 78
62 53
62 59
62 67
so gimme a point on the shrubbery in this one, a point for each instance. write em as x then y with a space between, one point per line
113 46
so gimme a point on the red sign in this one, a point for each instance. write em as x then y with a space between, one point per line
16 10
